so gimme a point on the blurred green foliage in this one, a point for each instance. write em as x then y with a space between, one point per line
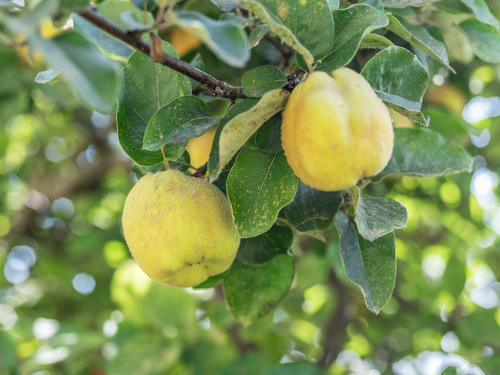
73 302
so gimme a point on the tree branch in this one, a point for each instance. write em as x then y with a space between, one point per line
217 87
335 330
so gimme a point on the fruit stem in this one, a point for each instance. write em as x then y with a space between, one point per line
165 161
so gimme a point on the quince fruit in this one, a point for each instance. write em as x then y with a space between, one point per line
199 148
179 229
336 130
183 41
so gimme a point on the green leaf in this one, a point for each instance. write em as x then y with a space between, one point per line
333 4
375 41
268 137
226 5
310 203
177 121
449 125
233 134
130 19
7 354
262 249
406 3
481 11
422 152
211 282
376 216
479 328
370 265
148 86
256 82
257 34
351 25
399 79
46 76
225 39
420 38
310 21
258 186
113 10
484 40
454 277
90 73
254 290
278 29
214 167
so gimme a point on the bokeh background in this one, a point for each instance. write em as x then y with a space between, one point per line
73 302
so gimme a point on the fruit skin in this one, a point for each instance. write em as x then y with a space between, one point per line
183 41
179 229
336 130
199 148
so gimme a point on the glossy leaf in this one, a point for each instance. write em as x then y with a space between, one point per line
375 41
256 82
481 11
268 137
420 38
405 3
177 121
310 203
90 73
226 5
238 130
262 249
423 152
351 25
254 290
370 265
378 216
399 79
278 28
148 87
257 34
225 39
258 186
310 21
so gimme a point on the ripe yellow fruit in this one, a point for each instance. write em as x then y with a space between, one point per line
179 229
183 41
336 130
199 148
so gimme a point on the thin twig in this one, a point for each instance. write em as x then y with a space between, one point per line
333 340
217 87
200 172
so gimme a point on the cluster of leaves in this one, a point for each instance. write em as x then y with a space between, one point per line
157 113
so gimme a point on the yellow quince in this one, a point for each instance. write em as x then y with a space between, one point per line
336 130
179 229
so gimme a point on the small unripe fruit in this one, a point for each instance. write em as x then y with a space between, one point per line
336 130
179 229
